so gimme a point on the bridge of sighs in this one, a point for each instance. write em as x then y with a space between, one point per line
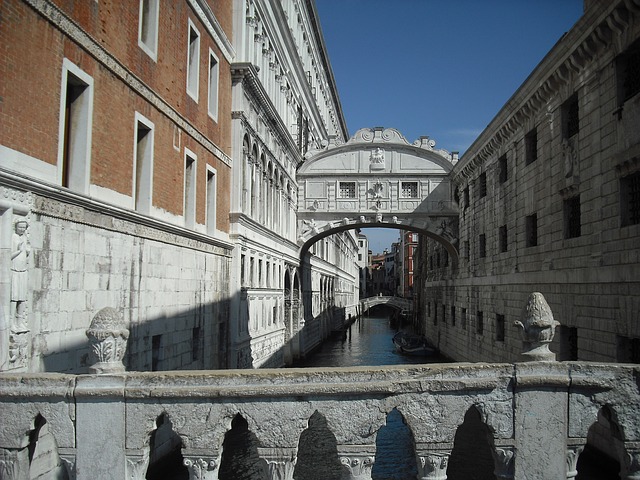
378 179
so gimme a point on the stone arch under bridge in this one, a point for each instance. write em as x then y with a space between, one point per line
378 179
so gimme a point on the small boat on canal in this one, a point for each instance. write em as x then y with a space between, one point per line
411 344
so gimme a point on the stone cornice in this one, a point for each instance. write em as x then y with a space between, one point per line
569 58
209 20
54 201
70 28
246 73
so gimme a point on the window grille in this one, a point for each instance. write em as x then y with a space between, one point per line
482 245
482 185
409 190
503 238
630 199
347 189
480 323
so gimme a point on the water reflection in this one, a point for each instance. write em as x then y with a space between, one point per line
369 342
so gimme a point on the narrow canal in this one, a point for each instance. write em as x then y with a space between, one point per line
367 343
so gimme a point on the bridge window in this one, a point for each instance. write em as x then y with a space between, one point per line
630 199
572 217
347 189
409 190
531 146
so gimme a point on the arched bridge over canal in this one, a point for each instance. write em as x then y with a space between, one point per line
398 303
378 179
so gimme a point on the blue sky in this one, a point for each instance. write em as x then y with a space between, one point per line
440 68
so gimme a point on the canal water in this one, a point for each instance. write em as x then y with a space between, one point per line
367 343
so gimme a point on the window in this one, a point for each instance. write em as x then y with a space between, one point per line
444 314
628 350
502 238
214 76
148 27
196 340
482 245
570 117
143 164
572 217
76 111
466 249
465 194
480 323
628 73
156 346
531 146
453 315
409 190
347 189
568 349
211 200
189 188
242 273
435 313
503 173
500 328
193 61
463 318
630 199
482 185
531 230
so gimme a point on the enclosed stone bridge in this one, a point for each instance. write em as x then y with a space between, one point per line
378 179
398 303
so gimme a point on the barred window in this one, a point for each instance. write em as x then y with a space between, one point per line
570 117
482 185
531 146
503 238
531 230
630 199
409 190
347 189
480 323
482 245
503 169
628 72
572 217
499 328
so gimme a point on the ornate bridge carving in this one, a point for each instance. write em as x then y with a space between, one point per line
378 179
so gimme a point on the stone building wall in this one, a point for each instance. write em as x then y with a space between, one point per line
121 167
546 205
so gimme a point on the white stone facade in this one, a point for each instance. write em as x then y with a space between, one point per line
546 204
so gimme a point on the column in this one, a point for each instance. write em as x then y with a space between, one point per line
573 452
280 462
503 459
432 464
201 466
631 467
358 460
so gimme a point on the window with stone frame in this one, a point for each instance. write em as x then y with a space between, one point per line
482 185
570 117
347 190
503 238
463 318
531 230
466 196
499 328
571 207
628 73
482 245
409 190
480 323
531 146
503 172
630 199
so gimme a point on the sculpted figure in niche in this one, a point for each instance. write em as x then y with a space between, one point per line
20 251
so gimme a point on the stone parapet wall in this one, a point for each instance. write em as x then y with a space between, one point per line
540 415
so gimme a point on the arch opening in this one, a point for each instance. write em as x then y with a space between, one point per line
472 455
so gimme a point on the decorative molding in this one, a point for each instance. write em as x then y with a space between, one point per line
210 22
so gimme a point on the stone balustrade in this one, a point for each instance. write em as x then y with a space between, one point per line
538 415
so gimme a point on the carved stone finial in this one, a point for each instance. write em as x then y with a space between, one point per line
538 328
108 336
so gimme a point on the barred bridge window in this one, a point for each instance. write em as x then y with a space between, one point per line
409 190
347 189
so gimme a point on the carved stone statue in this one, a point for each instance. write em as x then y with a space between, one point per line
20 251
376 159
538 328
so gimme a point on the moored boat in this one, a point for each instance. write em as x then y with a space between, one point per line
411 344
